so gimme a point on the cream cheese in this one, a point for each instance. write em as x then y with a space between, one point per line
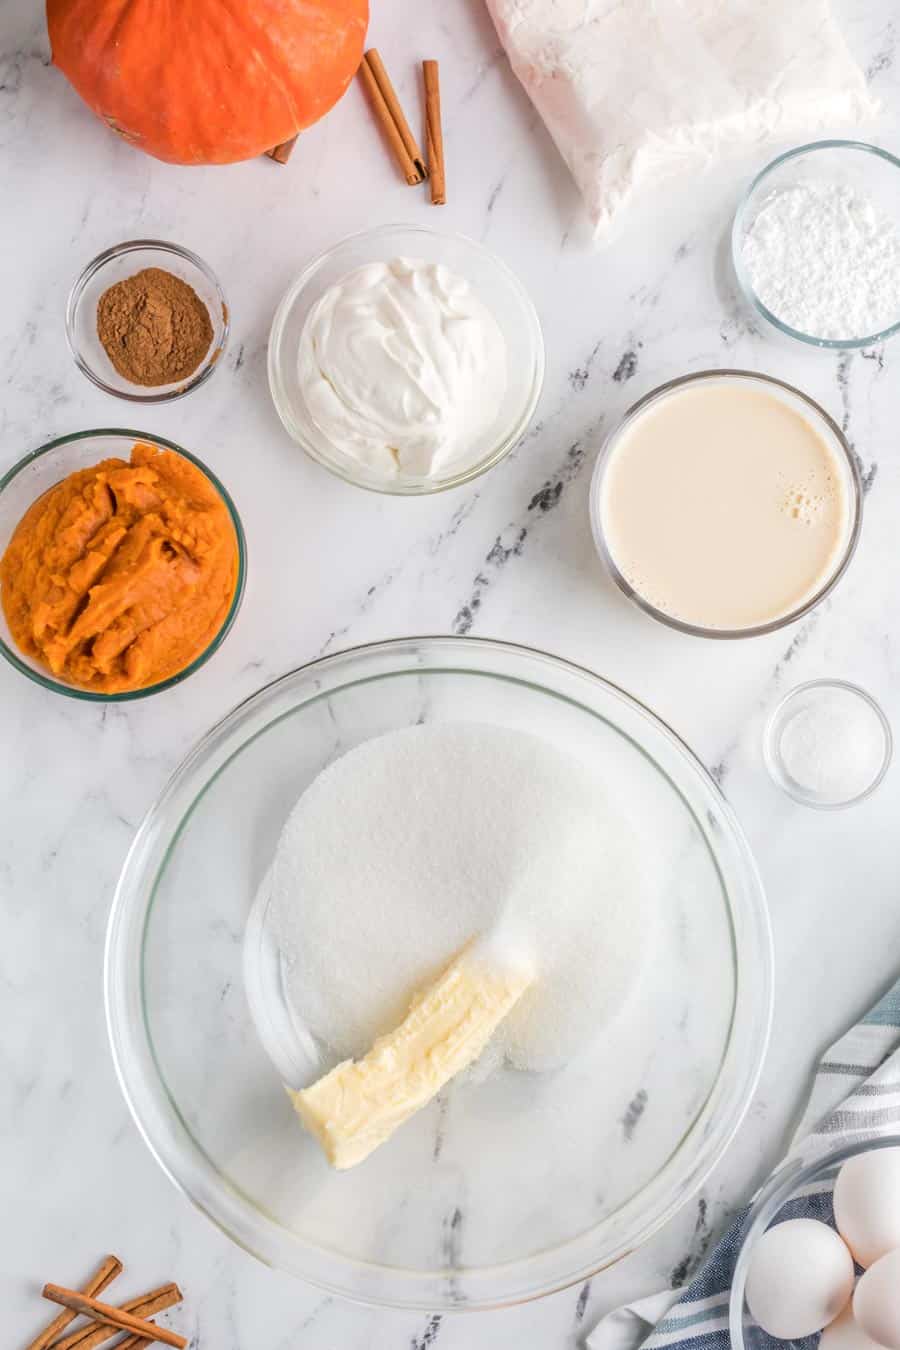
403 368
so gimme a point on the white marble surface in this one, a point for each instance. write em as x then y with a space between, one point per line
509 557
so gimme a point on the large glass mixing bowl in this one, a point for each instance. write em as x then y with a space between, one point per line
501 1190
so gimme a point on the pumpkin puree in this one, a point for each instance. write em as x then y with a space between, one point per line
122 574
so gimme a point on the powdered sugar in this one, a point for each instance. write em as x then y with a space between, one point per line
825 260
415 842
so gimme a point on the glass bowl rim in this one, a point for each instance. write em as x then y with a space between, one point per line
211 361
782 781
127 695
663 391
737 233
788 1178
412 487
751 1013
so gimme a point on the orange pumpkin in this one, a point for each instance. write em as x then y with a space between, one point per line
208 81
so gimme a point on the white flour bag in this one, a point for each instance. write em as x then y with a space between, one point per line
637 91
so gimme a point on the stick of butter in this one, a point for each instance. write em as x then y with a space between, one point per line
360 1103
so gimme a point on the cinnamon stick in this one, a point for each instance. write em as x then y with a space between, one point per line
145 1305
388 93
433 132
113 1317
386 107
282 153
130 1343
104 1275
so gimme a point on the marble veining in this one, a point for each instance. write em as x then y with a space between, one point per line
701 1239
508 556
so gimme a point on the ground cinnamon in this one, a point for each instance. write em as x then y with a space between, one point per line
154 327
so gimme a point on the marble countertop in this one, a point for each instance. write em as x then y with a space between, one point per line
510 556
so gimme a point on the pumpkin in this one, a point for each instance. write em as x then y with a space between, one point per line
208 81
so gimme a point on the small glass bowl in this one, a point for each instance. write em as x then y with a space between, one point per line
800 1188
852 163
495 285
116 264
39 471
795 398
799 700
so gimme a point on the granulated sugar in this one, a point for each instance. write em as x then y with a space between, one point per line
415 842
833 746
825 260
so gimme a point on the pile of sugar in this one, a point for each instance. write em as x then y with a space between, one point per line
833 747
825 260
418 841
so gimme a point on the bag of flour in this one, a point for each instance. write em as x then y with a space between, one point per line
635 91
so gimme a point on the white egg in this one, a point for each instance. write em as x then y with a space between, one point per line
800 1278
846 1334
876 1303
867 1204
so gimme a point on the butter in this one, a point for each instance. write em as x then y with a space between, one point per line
360 1103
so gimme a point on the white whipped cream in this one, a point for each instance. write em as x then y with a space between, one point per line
634 93
404 368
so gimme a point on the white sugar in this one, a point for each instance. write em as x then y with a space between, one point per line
825 260
415 842
833 747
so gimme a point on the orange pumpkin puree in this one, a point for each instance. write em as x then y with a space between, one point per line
122 574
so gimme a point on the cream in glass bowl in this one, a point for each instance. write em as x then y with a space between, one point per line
726 504
406 361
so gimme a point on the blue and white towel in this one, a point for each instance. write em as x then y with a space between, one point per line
856 1095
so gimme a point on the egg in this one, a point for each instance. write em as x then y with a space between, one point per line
800 1278
867 1204
876 1303
845 1334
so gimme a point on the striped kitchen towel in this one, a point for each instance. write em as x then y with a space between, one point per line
856 1094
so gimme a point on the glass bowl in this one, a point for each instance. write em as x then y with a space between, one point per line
873 171
34 475
117 264
805 698
501 1190
495 285
800 1188
794 398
